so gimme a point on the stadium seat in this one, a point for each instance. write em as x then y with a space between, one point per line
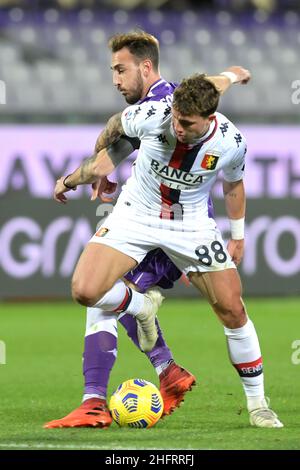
70 51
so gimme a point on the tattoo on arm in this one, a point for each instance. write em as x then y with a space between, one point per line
85 174
231 189
111 133
232 194
85 168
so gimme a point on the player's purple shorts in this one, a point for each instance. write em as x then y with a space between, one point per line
156 269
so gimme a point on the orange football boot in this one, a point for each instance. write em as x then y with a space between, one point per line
175 381
91 413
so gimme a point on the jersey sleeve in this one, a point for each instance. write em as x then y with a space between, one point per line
139 120
234 171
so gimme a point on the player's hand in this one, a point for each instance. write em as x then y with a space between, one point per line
243 75
101 187
59 191
236 250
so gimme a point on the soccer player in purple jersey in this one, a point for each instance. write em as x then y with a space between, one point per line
136 75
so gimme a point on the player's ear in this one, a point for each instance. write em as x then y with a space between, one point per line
146 67
211 117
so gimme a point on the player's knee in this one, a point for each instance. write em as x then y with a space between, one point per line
233 314
85 294
239 315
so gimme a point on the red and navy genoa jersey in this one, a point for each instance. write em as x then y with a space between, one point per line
168 172
157 268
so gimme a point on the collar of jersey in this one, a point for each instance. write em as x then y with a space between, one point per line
154 85
207 136
211 131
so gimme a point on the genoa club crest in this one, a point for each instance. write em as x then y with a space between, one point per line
210 161
101 232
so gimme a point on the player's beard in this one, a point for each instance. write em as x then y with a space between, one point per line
137 91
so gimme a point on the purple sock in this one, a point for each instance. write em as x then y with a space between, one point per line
160 353
100 350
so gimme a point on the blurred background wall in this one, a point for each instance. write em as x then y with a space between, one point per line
56 93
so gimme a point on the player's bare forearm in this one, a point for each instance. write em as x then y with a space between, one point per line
110 149
235 203
95 167
235 200
99 164
223 83
91 169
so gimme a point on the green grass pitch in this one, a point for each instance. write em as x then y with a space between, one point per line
42 379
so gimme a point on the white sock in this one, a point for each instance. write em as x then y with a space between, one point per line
121 298
87 396
137 303
245 355
159 369
100 320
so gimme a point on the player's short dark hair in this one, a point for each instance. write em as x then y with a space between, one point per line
140 44
196 95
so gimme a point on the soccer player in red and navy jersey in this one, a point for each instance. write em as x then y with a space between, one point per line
160 90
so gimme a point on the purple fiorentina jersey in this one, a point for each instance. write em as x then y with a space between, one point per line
160 90
157 269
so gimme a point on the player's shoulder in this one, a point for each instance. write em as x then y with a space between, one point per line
146 116
226 126
228 133
153 110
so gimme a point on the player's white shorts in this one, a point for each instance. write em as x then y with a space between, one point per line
196 251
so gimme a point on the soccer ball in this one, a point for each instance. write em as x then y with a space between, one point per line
136 403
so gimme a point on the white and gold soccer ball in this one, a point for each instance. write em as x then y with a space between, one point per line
136 403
